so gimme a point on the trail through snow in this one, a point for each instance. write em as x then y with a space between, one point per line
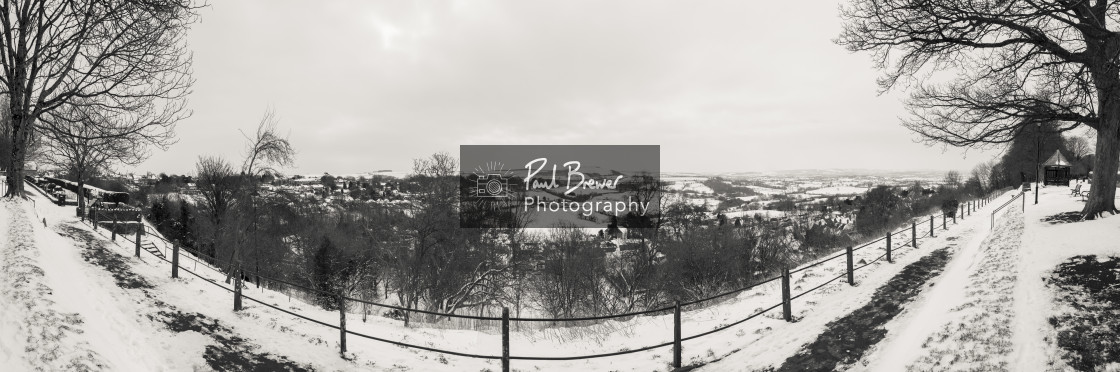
113 319
926 315
11 342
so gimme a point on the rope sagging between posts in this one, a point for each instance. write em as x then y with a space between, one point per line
506 357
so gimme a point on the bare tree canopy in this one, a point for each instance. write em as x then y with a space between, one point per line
84 141
267 149
121 57
1078 146
1011 64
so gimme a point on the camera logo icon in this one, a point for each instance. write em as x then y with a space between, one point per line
492 186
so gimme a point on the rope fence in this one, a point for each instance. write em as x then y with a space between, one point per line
786 304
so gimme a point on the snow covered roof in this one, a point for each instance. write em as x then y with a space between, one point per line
1057 160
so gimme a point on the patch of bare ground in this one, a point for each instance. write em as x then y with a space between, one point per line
1088 329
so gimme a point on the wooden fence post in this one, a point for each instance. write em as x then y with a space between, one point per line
505 339
851 272
174 260
943 219
677 334
889 246
93 218
342 324
914 234
237 291
787 307
114 225
931 227
139 232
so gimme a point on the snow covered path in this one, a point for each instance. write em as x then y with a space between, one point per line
12 341
962 321
75 317
111 314
44 335
991 309
908 334
788 339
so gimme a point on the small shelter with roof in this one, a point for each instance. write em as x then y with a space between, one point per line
1056 170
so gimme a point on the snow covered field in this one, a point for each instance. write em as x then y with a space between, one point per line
838 190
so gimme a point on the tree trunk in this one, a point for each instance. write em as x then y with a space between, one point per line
20 135
22 120
15 176
81 193
1103 193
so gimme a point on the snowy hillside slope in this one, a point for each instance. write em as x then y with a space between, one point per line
187 323
1038 292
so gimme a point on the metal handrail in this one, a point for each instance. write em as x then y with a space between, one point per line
1019 195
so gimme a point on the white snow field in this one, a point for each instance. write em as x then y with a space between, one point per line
117 327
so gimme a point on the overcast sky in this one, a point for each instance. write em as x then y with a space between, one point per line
366 85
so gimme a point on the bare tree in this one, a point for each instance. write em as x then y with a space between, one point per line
981 172
264 151
1016 64
267 149
130 55
84 141
221 192
952 179
1078 147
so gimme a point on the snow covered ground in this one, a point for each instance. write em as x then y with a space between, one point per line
113 321
961 322
787 339
1045 246
765 213
838 190
991 309
39 334
695 185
